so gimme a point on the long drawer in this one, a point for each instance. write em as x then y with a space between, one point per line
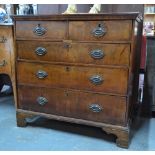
89 53
56 30
98 79
76 104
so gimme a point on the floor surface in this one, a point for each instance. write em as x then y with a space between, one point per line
49 135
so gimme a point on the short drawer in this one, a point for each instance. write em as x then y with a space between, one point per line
75 104
98 79
89 53
41 30
118 30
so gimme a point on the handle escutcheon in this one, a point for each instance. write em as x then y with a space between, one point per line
41 74
39 31
42 100
40 51
97 54
96 79
95 108
3 63
99 31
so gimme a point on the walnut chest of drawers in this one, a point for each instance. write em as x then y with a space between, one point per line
80 68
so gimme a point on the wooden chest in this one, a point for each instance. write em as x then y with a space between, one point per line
80 68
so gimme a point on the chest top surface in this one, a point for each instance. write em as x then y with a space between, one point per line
82 16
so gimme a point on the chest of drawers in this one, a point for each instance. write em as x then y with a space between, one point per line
80 68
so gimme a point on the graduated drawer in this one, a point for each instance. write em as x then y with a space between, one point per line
98 79
89 53
76 104
55 30
116 30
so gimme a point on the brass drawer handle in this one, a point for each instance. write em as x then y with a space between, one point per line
95 108
3 63
3 39
40 51
39 31
99 31
96 79
41 74
42 100
97 54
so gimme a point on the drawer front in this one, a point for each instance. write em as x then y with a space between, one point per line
109 80
41 30
118 30
5 49
76 104
100 54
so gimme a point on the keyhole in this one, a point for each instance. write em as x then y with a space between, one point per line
67 68
66 94
99 25
67 45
